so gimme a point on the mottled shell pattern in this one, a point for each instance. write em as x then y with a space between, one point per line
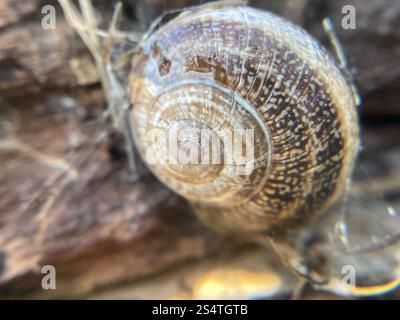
239 67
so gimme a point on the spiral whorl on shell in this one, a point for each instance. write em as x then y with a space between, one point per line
239 68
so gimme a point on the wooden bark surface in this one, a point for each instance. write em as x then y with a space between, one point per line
66 195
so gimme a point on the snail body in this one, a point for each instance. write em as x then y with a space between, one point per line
233 68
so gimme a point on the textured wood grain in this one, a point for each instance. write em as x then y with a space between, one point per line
87 232
31 57
70 202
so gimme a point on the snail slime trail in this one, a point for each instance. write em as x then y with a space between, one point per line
229 68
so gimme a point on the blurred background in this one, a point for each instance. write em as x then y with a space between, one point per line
67 198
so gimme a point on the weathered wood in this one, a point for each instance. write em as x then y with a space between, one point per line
66 194
33 59
13 11
68 200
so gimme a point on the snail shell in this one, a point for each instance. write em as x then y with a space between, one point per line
237 67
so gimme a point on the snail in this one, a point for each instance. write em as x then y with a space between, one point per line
229 68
